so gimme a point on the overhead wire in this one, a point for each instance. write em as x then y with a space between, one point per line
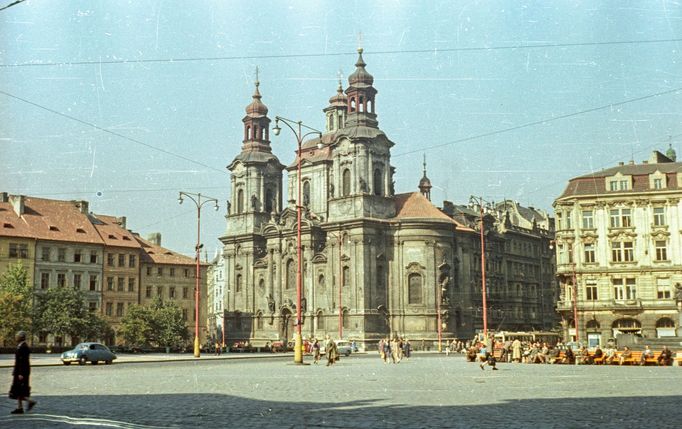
337 54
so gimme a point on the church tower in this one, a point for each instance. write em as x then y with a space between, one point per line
335 113
256 173
361 176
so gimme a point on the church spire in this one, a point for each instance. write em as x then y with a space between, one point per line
256 122
336 111
425 183
361 95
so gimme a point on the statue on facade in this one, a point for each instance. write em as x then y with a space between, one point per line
678 293
254 202
271 304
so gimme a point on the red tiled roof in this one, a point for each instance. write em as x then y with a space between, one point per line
153 253
415 205
48 220
113 233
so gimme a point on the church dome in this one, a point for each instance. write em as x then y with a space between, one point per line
256 108
671 154
424 182
339 99
360 77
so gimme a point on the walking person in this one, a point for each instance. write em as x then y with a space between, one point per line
21 387
332 352
316 351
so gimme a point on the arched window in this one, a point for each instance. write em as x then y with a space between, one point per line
370 106
321 281
240 201
340 120
320 321
665 322
269 201
238 283
255 132
248 133
352 104
306 193
346 276
259 320
291 275
346 182
592 324
361 105
414 289
261 286
346 319
378 182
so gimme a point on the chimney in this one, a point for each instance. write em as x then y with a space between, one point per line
154 238
83 206
4 197
121 221
17 202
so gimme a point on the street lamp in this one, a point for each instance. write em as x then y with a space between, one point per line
480 201
574 292
298 342
199 202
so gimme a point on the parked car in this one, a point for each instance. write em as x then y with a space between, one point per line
88 352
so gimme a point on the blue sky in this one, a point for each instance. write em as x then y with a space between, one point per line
445 71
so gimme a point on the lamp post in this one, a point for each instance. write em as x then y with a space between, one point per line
298 341
575 302
199 202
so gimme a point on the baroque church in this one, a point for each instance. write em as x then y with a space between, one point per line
375 263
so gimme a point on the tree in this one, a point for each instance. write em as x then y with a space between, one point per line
159 324
171 330
16 302
61 311
136 326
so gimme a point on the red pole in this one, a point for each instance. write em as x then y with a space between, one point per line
440 329
298 355
485 304
197 341
341 280
575 304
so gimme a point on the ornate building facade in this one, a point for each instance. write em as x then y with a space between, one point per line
619 257
375 263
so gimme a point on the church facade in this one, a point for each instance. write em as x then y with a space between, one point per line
375 263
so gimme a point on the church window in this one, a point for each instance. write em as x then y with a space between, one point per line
414 289
370 106
361 105
320 321
352 104
320 281
346 276
346 319
255 132
378 188
291 275
346 182
238 283
306 192
248 133
240 201
269 201
340 121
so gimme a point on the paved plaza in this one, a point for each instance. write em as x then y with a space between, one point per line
426 391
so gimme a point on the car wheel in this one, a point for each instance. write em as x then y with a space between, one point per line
347 354
107 362
82 360
94 362
66 363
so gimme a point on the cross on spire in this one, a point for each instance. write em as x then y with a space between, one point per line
257 81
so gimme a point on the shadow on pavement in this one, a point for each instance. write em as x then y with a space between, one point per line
223 411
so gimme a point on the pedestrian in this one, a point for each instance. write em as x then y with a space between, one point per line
407 349
316 351
516 350
386 350
218 348
21 387
332 352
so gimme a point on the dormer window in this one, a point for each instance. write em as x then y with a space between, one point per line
80 230
53 228
657 180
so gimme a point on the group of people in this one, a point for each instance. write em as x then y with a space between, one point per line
394 349
330 349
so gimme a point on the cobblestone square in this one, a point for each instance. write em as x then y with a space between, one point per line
426 391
